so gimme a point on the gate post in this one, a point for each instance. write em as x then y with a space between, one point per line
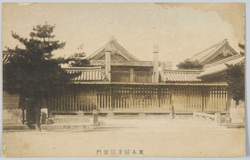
217 118
95 117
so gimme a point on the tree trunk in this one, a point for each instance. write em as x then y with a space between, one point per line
38 113
237 102
38 117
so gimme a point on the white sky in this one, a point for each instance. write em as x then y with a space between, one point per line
180 30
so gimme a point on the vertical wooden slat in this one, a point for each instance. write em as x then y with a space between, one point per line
105 101
110 98
98 100
115 98
118 98
59 98
64 102
85 99
95 99
92 100
68 99
122 97
76 101
82 100
73 101
79 100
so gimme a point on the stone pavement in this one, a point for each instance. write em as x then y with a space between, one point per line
156 136
74 122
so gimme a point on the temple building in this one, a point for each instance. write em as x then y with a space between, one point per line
117 82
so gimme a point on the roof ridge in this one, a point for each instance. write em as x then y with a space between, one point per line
223 60
81 68
184 70
212 46
97 51
126 51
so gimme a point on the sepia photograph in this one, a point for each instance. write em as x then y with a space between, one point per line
123 80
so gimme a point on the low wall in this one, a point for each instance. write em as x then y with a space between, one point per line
12 116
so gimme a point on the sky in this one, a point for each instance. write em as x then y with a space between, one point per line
179 29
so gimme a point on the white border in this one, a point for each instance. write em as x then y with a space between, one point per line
247 15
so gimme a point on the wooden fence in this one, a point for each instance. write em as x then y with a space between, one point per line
126 98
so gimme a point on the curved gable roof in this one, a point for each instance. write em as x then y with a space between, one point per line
209 55
115 48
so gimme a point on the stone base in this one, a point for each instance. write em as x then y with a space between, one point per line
142 114
110 114
237 115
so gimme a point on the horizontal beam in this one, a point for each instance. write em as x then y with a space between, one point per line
128 111
122 63
81 68
156 84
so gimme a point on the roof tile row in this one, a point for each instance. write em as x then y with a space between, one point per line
179 76
88 75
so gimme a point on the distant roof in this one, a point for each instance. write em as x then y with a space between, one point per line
5 57
223 61
221 67
87 73
207 55
180 75
115 48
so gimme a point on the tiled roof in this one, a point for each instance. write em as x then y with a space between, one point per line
180 76
87 73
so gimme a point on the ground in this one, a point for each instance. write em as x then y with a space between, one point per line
129 137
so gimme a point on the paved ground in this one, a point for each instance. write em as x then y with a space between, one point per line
133 137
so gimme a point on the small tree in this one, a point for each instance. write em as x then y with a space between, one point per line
30 70
79 60
235 77
188 64
242 46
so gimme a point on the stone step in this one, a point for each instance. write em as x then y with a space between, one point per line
72 119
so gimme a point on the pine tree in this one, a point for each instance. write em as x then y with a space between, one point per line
31 72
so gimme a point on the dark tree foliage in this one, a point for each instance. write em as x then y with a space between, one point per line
31 72
188 64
